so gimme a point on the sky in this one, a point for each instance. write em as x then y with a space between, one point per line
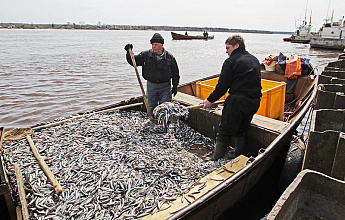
239 14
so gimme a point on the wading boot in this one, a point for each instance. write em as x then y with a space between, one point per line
240 145
219 152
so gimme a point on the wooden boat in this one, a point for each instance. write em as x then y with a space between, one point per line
267 138
177 36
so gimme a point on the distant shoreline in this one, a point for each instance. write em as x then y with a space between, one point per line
131 27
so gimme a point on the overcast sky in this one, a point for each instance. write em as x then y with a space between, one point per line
243 14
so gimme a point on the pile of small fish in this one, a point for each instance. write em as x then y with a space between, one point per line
170 112
110 166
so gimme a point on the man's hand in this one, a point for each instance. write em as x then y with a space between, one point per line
207 104
128 46
174 91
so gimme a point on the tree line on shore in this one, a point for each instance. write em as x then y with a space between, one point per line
131 27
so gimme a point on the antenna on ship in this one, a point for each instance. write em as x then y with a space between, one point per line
328 11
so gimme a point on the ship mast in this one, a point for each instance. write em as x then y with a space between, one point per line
305 14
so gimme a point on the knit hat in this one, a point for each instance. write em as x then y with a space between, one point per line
157 38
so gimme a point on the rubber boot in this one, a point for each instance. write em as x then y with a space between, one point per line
240 145
219 152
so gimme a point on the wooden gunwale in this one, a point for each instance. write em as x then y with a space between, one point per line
4 184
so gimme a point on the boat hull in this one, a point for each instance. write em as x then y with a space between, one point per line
327 43
287 39
300 39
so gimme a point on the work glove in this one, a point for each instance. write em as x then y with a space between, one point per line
174 91
128 46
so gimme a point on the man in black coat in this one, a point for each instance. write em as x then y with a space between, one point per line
241 77
159 68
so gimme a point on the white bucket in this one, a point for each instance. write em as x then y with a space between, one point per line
271 67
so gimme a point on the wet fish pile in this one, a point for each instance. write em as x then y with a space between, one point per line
110 166
170 112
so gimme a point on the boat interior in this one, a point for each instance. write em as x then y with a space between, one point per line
263 129
262 133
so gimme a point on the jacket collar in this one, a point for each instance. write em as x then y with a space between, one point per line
238 50
162 56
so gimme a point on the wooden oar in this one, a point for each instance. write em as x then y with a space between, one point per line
85 115
44 166
141 85
19 133
21 192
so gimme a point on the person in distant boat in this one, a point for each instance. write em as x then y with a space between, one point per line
241 78
160 69
186 33
205 34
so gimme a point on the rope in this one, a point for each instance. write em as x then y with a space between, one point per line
17 134
301 136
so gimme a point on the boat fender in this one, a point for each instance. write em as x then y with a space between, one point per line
292 165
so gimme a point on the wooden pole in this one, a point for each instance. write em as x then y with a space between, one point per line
19 213
44 166
21 192
141 85
85 115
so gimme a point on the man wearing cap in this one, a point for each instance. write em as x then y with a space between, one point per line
159 68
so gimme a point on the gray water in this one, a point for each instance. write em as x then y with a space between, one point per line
46 74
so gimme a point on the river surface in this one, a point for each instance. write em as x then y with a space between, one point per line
46 74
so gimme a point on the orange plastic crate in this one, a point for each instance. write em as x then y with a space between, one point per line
272 101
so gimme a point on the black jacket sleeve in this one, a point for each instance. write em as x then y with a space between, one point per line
224 82
139 59
175 73
240 75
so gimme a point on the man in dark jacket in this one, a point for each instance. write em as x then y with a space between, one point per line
159 68
241 77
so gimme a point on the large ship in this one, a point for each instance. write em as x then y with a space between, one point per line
331 35
303 33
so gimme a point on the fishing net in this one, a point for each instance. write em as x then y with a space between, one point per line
17 134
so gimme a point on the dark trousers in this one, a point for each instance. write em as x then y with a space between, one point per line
237 114
157 93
